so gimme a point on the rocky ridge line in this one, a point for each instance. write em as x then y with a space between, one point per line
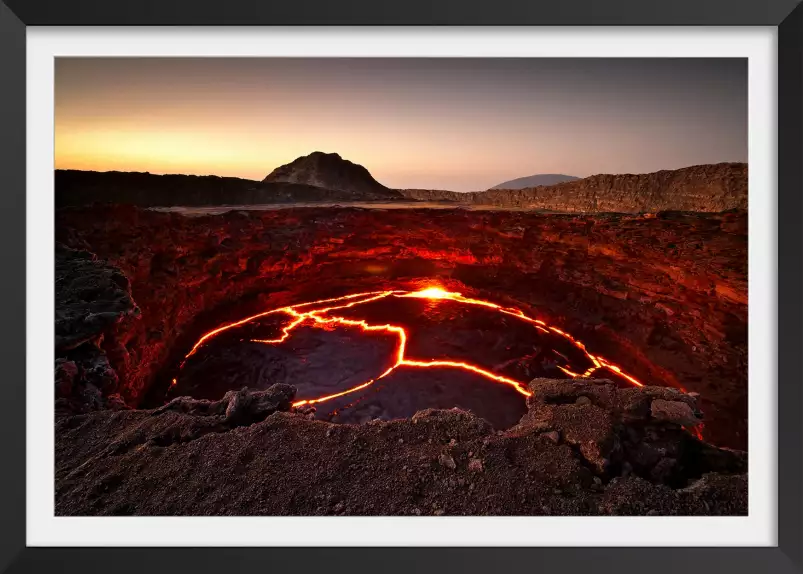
707 188
321 177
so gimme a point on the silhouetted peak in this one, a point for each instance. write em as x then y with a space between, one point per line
329 171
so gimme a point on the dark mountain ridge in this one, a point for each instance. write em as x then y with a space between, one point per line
321 177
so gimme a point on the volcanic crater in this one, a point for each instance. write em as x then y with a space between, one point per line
664 299
379 314
320 347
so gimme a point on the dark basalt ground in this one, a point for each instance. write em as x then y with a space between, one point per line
582 449
664 297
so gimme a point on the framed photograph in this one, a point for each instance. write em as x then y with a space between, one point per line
410 287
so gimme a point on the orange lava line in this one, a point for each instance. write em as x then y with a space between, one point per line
402 334
620 372
326 398
381 295
343 298
469 367
214 332
568 372
289 310
433 293
285 332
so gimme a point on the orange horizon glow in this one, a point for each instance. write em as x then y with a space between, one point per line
462 124
320 317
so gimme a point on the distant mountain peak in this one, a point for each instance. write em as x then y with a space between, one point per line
322 153
329 171
535 181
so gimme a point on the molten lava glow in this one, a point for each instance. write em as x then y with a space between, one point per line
322 316
431 293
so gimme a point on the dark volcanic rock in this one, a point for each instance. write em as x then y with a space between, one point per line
673 411
191 458
236 408
709 188
713 494
330 171
611 435
91 297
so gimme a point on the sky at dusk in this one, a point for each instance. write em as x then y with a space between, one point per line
458 124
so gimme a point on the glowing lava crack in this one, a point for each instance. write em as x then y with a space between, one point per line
323 316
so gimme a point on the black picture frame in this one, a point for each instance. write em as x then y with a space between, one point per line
786 15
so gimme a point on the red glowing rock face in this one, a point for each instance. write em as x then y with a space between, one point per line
324 317
663 296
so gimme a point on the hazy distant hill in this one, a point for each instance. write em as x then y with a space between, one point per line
710 187
535 181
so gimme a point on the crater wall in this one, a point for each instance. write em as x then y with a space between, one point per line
664 294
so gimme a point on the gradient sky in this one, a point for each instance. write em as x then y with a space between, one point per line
459 124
